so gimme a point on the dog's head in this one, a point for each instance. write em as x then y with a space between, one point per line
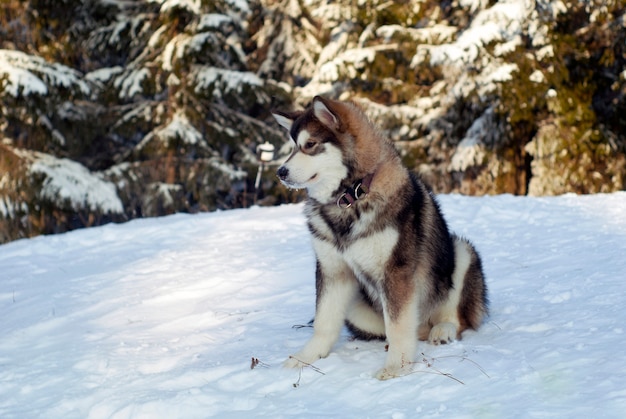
320 159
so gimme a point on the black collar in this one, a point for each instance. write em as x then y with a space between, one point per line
358 190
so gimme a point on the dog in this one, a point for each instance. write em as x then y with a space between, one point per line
386 264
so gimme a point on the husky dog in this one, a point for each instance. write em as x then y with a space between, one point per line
387 266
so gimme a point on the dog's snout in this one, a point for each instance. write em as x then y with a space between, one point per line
282 172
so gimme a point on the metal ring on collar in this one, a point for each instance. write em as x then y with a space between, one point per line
359 191
343 201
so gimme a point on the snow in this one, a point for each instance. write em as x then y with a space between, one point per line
192 6
435 34
501 22
545 52
27 74
162 317
537 77
240 5
119 27
65 180
129 82
199 41
165 190
470 151
180 127
502 73
499 26
8 208
172 48
350 62
219 81
103 75
213 21
225 169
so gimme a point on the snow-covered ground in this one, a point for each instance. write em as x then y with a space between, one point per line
161 318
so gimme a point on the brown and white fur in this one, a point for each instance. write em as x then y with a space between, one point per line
387 266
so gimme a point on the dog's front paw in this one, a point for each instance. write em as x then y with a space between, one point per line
442 333
292 362
298 361
387 373
384 374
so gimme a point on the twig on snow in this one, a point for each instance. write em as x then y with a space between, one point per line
256 363
301 326
429 361
465 358
305 365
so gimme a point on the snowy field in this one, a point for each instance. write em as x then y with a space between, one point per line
161 318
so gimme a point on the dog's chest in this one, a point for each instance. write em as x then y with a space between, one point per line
369 255
338 226
363 243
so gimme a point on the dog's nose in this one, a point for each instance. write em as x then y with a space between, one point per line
282 172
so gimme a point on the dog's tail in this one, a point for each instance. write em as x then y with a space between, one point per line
363 321
473 302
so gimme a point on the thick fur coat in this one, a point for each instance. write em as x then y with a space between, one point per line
387 266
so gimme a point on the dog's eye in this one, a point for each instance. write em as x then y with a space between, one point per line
309 145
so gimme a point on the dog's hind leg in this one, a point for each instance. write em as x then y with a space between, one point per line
474 303
466 302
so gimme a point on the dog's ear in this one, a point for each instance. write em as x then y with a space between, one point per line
285 119
322 111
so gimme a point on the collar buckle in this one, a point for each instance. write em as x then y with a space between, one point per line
359 190
345 200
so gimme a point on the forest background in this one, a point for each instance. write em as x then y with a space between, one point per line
116 109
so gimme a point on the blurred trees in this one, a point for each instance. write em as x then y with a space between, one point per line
116 109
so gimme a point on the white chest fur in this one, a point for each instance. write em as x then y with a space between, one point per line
369 255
